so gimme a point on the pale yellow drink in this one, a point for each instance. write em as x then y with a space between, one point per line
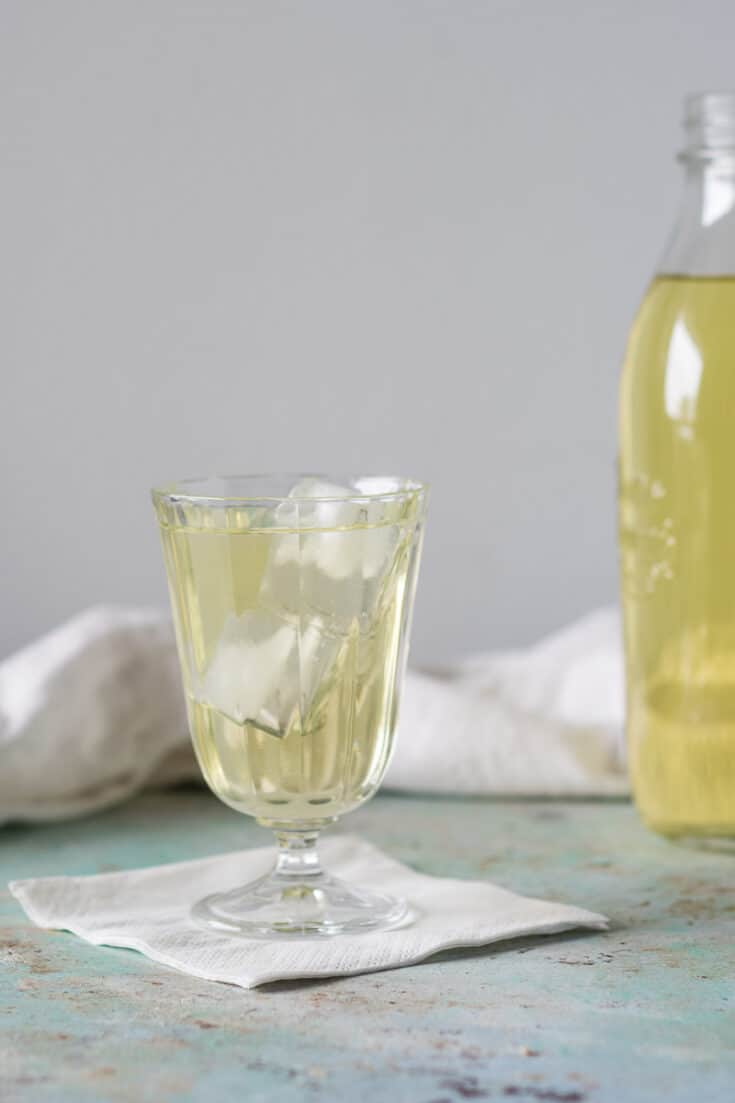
291 642
677 538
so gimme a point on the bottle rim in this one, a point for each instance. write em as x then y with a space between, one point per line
709 124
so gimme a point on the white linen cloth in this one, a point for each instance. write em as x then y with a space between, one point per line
543 721
148 910
94 711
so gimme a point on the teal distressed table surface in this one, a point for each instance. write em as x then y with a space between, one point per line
643 1012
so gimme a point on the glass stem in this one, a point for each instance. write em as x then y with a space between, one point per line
297 855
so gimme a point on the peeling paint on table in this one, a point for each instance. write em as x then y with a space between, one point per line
645 1011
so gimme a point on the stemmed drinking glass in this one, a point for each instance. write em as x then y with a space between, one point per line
292 601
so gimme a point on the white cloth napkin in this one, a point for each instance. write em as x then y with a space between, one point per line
94 711
148 910
544 721
89 714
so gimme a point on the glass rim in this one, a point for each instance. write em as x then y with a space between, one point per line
182 490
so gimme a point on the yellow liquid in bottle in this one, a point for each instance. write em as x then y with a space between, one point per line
677 543
291 645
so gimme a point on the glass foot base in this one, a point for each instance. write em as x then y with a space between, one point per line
316 906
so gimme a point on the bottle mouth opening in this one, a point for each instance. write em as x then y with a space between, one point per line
709 124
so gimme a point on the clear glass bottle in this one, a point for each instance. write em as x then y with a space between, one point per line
677 501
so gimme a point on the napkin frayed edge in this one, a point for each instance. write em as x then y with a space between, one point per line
595 922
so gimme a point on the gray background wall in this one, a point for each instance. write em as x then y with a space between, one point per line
391 236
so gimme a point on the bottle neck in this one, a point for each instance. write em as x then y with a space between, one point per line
703 240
